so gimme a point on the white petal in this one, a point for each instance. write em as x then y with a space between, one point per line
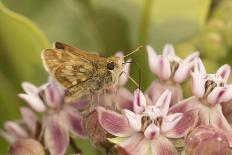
199 67
163 68
152 59
29 88
15 130
191 57
170 121
224 72
169 51
217 95
164 101
139 103
134 120
34 102
152 131
198 84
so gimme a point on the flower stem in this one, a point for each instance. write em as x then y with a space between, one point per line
74 146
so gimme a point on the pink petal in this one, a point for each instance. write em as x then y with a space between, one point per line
134 145
124 77
187 122
29 118
53 95
15 130
157 88
224 72
113 122
163 68
29 88
139 103
184 68
134 120
170 121
164 101
162 146
73 121
169 51
56 135
198 85
218 95
34 102
80 104
199 67
152 59
185 105
124 99
152 131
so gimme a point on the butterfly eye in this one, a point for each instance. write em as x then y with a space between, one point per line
110 66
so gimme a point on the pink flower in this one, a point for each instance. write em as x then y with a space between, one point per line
210 90
59 118
171 71
28 127
146 129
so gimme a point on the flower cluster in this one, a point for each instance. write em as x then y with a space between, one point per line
159 121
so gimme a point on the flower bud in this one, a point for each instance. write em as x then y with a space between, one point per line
206 140
26 146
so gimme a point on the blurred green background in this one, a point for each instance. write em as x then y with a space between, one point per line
105 26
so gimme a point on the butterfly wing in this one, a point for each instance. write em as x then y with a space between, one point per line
69 66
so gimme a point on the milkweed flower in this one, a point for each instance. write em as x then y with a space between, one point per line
209 90
59 118
28 127
171 71
146 129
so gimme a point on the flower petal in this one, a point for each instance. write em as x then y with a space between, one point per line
157 88
34 102
218 95
187 122
199 67
113 122
134 120
162 146
152 131
163 68
184 68
152 58
15 130
124 99
170 121
29 118
164 101
198 84
29 88
134 145
73 121
139 103
56 135
224 72
126 70
169 51
53 95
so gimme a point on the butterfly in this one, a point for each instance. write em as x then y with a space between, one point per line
80 72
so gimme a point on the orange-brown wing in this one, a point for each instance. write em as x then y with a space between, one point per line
68 67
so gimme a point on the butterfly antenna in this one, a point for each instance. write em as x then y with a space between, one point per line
136 50
138 85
